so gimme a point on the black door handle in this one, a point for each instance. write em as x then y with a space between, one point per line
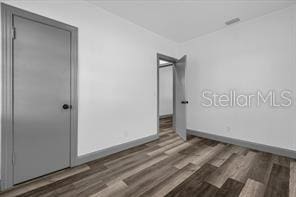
66 106
184 102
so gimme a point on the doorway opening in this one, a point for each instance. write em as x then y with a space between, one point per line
171 111
166 107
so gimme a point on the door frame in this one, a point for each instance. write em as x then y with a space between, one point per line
171 60
7 87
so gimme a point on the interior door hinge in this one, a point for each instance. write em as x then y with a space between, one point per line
13 33
13 158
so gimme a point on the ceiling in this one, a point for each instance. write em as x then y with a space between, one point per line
184 20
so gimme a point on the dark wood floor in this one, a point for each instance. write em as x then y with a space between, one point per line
171 167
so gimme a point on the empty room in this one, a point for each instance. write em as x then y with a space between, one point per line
160 98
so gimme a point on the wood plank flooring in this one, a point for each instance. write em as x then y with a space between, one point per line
170 167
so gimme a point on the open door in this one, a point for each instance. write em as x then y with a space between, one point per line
180 97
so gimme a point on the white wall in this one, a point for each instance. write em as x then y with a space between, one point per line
117 73
259 54
165 91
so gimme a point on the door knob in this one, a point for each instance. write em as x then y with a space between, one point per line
184 102
66 106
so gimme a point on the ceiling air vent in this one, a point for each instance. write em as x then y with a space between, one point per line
234 20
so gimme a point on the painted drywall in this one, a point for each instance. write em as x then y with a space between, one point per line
117 85
117 75
166 91
184 20
255 55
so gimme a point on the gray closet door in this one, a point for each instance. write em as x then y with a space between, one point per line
180 97
41 55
